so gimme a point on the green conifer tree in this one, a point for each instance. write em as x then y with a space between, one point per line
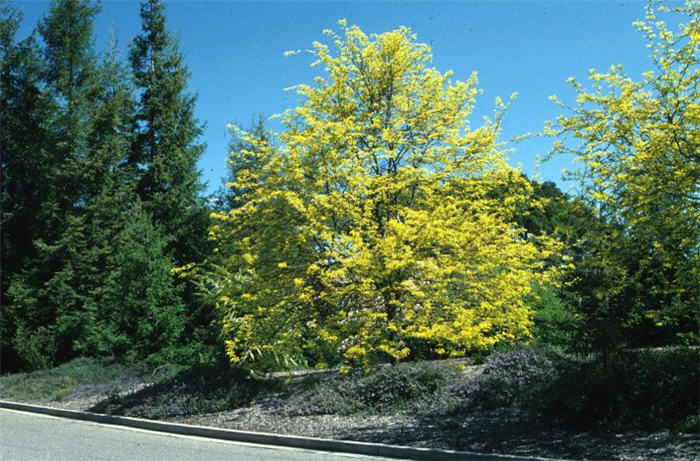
166 146
141 315
109 185
59 275
24 164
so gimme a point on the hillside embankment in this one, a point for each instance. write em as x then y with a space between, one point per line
524 402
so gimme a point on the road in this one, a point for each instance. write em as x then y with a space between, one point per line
27 436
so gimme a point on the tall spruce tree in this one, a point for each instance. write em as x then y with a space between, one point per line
24 163
166 147
108 187
48 297
142 315
71 71
135 307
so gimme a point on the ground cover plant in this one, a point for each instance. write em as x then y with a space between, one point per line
386 389
645 389
527 401
196 390
82 375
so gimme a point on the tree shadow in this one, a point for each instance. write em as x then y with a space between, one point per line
197 390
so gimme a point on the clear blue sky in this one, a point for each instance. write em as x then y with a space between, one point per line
234 51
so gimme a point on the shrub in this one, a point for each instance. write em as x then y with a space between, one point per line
394 385
644 388
508 378
387 388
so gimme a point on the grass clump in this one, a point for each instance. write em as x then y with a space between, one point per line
56 383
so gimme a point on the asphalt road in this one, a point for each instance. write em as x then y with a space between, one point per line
26 436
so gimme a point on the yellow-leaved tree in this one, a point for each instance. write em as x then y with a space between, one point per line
638 147
375 227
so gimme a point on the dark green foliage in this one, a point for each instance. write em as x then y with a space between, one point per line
166 147
24 165
140 310
86 270
690 425
556 324
164 155
624 293
556 215
646 388
70 74
46 301
47 296
650 388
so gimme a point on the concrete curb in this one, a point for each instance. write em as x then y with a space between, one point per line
360 448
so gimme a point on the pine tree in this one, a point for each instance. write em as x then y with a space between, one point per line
109 186
166 148
22 109
70 75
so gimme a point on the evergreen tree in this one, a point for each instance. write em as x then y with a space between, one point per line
243 150
25 164
109 184
166 147
140 307
165 154
59 274
23 107
70 75
86 192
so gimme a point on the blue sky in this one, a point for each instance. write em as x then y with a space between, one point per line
234 51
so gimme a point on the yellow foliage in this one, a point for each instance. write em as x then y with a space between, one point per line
637 144
385 208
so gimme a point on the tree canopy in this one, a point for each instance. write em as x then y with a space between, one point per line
373 229
637 143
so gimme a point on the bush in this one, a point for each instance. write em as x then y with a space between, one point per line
37 349
387 388
644 389
508 378
555 322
